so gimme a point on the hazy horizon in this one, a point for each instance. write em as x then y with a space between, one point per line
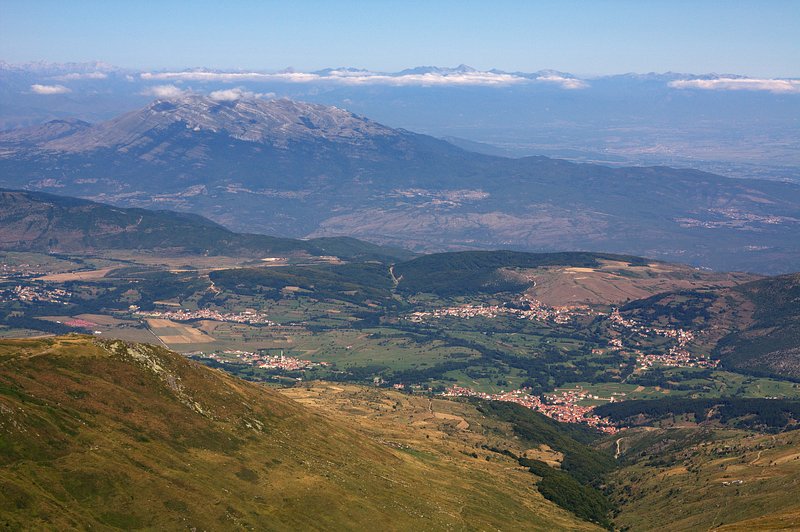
589 39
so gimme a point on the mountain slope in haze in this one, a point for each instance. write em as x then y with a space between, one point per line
295 169
33 221
47 132
113 435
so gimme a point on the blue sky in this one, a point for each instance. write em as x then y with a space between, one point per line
756 38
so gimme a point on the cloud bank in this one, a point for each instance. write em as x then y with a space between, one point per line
225 95
49 89
81 75
739 84
361 77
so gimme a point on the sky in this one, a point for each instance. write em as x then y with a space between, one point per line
754 38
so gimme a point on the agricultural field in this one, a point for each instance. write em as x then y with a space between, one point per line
31 264
171 332
616 282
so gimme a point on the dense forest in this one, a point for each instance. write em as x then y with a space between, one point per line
750 413
577 485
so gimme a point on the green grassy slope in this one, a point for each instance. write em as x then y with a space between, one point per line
574 486
108 435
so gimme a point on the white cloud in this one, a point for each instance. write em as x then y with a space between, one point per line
231 77
163 91
49 89
564 83
346 78
433 79
230 95
82 75
739 84
205 76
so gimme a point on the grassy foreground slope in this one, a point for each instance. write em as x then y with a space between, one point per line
113 435
528 446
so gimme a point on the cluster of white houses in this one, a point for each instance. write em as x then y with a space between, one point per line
525 308
249 317
35 294
562 406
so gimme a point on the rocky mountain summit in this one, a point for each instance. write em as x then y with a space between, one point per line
275 122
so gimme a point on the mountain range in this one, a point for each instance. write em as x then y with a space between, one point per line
288 168
724 123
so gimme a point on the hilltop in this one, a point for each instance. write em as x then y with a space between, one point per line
768 339
255 120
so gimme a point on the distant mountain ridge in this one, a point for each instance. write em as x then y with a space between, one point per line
57 68
33 221
305 170
257 120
